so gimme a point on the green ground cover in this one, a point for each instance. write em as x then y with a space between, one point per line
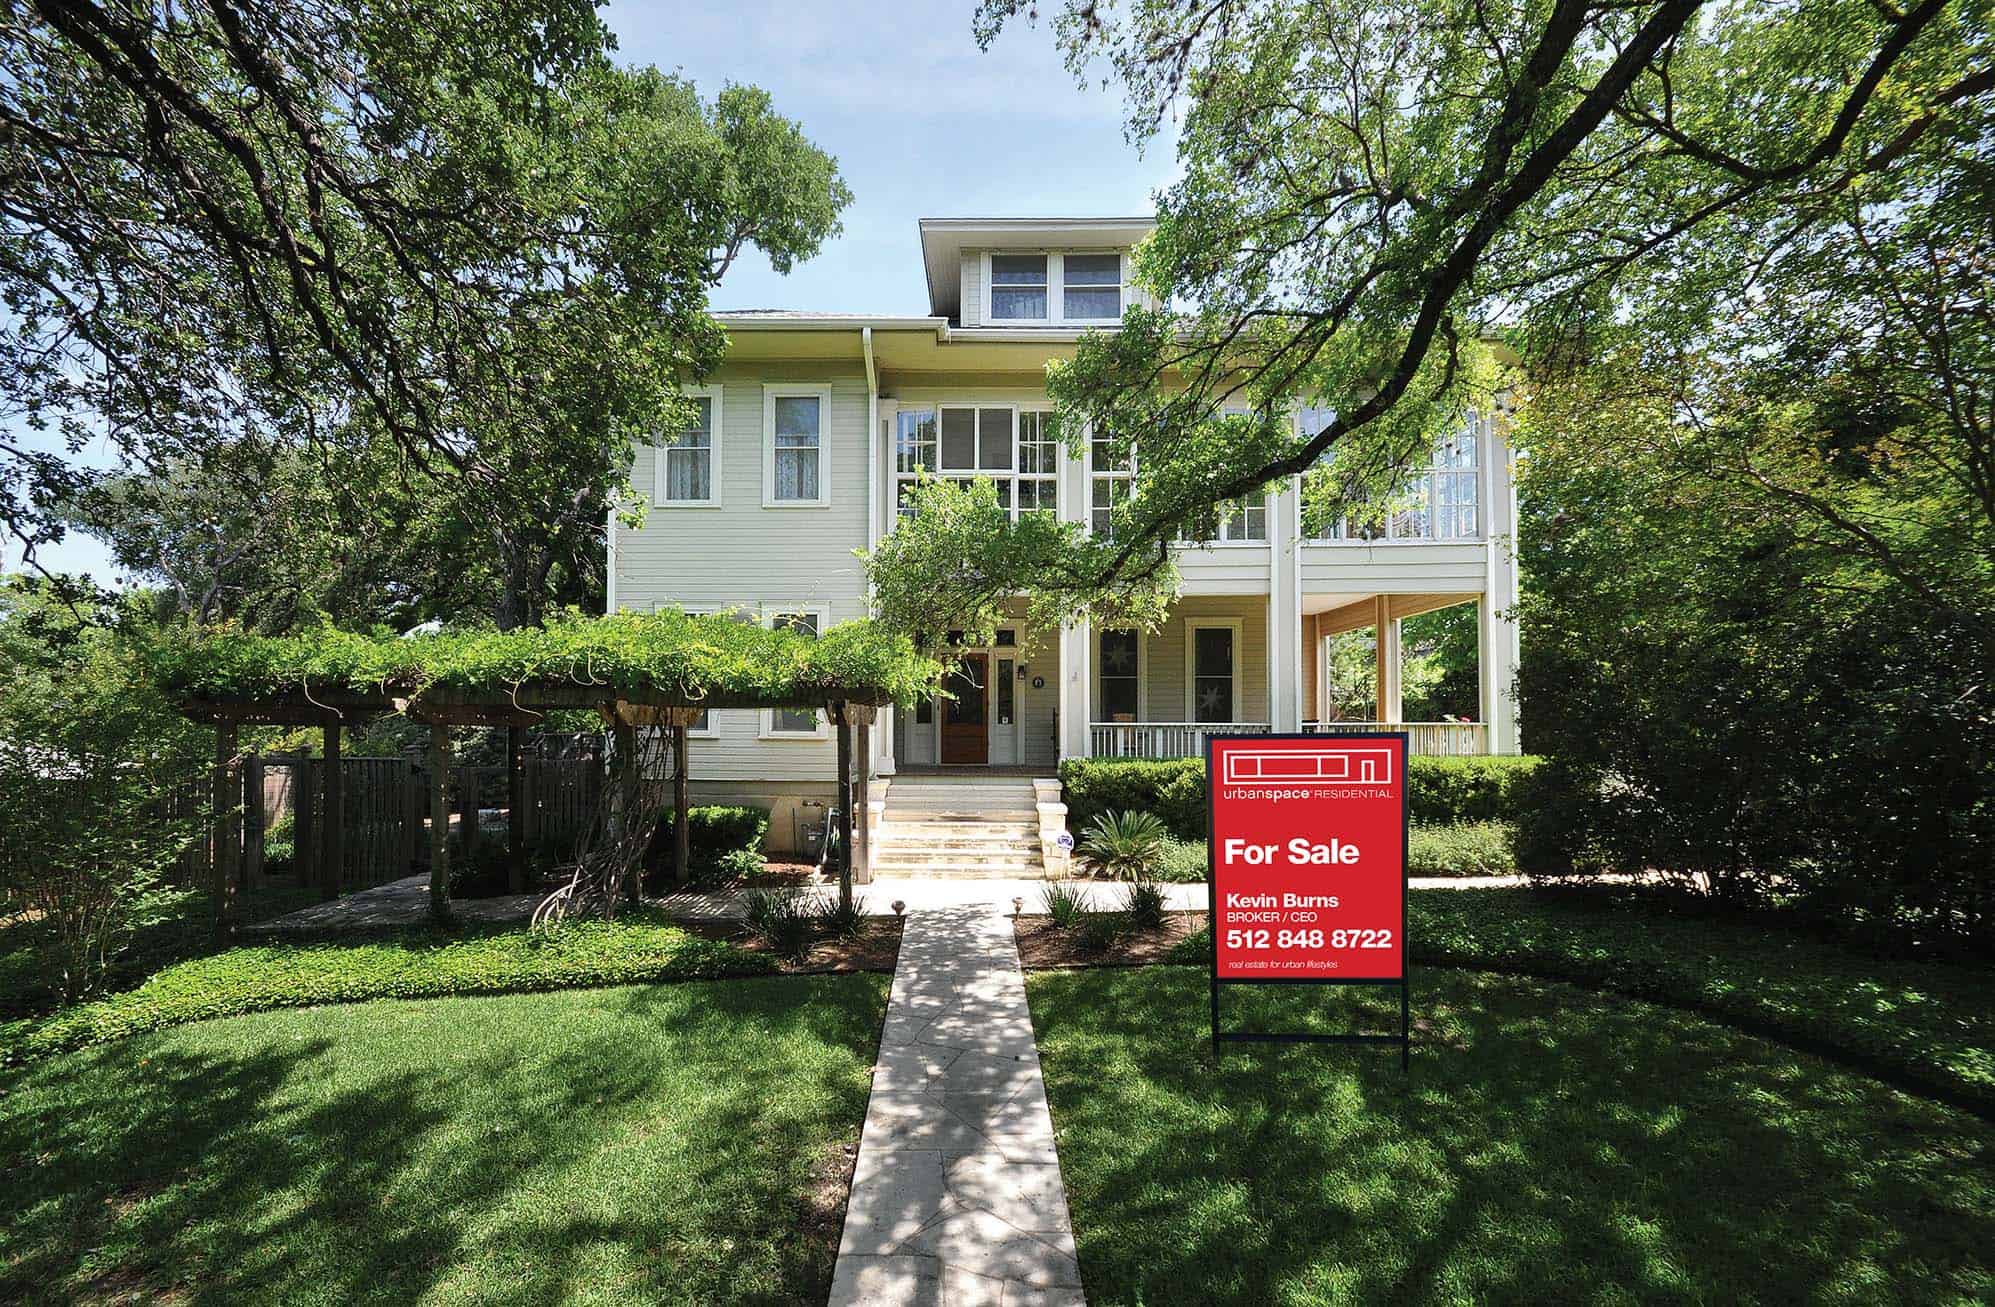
650 1144
1925 1025
415 963
1549 1144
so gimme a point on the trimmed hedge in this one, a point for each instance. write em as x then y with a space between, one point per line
713 832
1441 791
422 963
1467 848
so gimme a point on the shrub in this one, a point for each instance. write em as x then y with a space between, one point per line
1065 904
1100 930
837 920
784 919
717 838
1143 904
1439 790
1442 791
1124 845
1174 790
1182 862
1470 848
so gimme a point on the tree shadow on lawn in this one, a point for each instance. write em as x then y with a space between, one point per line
1547 1144
637 1144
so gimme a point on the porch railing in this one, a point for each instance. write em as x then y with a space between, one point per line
1159 739
1424 739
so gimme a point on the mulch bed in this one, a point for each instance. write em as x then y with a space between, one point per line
876 949
1042 946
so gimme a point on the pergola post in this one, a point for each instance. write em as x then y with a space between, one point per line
439 821
227 826
515 817
682 826
252 817
332 822
837 714
624 808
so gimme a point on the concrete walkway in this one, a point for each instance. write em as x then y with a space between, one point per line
957 1197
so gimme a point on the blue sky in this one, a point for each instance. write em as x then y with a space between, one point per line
922 122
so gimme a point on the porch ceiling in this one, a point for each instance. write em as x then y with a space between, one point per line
1341 613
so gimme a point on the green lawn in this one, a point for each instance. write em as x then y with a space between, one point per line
1550 1144
671 1143
1929 1025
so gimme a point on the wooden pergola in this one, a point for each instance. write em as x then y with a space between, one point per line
516 707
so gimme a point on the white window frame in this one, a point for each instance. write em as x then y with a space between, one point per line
1142 672
1097 474
770 612
712 394
1007 478
771 392
1056 290
1424 489
1237 625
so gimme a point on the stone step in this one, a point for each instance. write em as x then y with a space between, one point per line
957 871
963 798
898 858
957 832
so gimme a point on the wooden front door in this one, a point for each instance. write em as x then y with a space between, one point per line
965 718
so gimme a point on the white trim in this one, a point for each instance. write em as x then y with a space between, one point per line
712 394
771 392
770 610
1094 668
1192 626
1056 290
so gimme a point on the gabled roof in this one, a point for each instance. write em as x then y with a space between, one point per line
943 241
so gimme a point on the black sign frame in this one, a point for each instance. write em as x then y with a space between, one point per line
1404 1038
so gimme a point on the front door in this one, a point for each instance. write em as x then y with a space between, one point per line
965 733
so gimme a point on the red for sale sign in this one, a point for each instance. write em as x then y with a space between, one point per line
1308 857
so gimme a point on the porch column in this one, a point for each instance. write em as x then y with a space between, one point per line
1284 705
1500 710
1385 643
1076 689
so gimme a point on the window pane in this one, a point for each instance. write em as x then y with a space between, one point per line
688 474
994 439
794 719
796 473
1018 303
700 434
1212 674
796 419
1037 494
1018 270
1088 304
1214 649
1005 693
1119 686
959 439
1092 269
914 443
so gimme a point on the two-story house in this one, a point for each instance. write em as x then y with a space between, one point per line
817 421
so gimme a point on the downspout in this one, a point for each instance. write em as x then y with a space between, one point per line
872 454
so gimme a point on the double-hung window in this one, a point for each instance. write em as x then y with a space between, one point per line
796 461
794 723
1018 287
1091 287
688 464
965 441
1038 463
1111 480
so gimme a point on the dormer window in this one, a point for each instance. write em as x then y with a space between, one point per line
1062 289
1018 287
1091 287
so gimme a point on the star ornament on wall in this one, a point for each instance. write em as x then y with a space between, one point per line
1211 699
1119 661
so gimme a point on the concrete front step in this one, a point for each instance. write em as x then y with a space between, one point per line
957 858
951 871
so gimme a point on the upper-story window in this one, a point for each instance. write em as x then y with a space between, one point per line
795 465
1064 289
1017 449
1442 503
688 466
1111 480
1018 287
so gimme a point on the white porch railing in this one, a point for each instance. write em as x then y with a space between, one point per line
1159 739
1424 739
